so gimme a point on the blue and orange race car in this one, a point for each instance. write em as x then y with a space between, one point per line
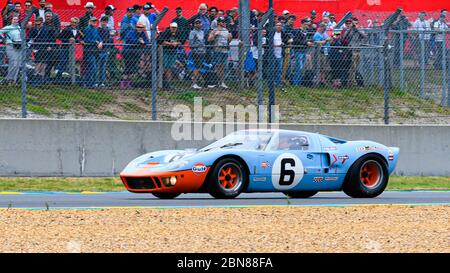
298 164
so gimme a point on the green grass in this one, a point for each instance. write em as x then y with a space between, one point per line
114 184
61 184
296 104
419 183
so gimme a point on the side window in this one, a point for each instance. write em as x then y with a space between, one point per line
292 141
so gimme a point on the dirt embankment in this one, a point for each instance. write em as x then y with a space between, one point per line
349 229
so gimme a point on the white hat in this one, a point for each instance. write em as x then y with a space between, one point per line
89 5
110 7
325 14
285 12
173 24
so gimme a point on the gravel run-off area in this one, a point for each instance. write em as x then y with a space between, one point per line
272 229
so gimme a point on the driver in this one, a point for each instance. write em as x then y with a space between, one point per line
284 143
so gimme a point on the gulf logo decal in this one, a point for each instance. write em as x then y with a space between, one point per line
199 168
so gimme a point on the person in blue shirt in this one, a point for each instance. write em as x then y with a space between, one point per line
93 42
153 13
322 40
135 44
126 23
137 14
203 17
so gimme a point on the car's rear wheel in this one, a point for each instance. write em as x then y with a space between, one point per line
166 195
367 178
227 179
300 194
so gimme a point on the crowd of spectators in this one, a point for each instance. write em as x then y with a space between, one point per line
202 43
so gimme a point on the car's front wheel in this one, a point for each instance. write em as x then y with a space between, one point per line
367 178
228 179
165 195
300 194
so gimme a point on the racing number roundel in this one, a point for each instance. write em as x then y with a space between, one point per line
287 171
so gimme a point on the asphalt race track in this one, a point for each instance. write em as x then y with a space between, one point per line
125 199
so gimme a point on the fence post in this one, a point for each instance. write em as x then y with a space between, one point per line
73 77
402 75
444 70
23 66
154 48
422 68
386 78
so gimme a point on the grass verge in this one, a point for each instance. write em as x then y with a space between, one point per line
105 184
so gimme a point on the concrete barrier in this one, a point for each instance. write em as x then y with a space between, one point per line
103 148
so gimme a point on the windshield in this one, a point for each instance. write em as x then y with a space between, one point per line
249 140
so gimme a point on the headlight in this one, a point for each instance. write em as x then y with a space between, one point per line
169 181
173 180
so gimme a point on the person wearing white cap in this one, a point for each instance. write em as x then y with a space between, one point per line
170 40
285 12
84 20
109 12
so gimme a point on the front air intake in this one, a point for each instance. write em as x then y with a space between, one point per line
138 183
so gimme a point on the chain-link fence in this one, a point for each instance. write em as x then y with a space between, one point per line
348 75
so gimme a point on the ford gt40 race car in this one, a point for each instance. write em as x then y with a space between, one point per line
298 164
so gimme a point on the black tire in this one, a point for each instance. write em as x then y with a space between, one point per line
361 183
300 194
215 181
166 195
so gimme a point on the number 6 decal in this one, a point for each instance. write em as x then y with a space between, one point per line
287 171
